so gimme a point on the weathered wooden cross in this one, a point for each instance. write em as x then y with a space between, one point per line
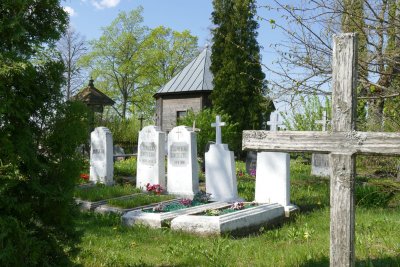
342 144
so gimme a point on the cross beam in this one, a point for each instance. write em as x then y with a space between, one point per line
351 142
342 144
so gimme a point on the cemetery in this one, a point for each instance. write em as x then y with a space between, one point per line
191 155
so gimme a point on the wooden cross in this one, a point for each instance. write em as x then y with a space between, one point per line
324 122
342 144
218 124
274 122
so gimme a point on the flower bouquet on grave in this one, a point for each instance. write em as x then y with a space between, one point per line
236 206
155 188
200 198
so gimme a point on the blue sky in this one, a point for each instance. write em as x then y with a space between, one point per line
88 16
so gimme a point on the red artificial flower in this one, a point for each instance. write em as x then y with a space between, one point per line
85 176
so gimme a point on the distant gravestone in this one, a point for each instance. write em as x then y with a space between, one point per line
320 162
101 156
220 169
183 174
151 158
251 162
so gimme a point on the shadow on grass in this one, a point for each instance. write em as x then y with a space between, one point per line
382 262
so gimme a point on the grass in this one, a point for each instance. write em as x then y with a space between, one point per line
137 201
302 241
100 192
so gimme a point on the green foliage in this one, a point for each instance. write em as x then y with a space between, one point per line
239 86
203 120
303 116
167 54
138 201
38 137
27 24
124 131
131 62
115 58
125 167
101 192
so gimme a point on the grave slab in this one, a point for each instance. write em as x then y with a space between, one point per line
92 205
236 222
183 173
101 156
157 220
151 158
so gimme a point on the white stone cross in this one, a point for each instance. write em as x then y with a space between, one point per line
324 122
274 122
179 132
342 145
218 124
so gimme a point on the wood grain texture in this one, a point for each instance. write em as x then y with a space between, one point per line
344 82
351 142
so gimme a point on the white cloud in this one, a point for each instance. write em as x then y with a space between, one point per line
70 11
100 4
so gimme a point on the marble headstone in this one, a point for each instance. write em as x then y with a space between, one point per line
101 156
151 158
183 173
273 174
220 169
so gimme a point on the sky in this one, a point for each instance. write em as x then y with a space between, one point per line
88 17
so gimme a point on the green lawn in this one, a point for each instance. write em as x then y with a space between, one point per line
303 241
137 201
100 192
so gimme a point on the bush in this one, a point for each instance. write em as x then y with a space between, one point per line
203 121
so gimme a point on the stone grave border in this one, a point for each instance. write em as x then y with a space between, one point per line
158 220
237 223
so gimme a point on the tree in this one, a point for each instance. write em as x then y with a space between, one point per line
38 136
72 46
131 61
116 59
304 65
239 86
168 52
303 117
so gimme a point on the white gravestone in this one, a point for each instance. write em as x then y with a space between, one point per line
220 169
183 176
320 162
101 156
151 158
273 174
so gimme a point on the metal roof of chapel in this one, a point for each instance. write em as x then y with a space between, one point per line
196 76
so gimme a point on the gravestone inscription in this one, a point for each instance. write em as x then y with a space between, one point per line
183 177
101 156
151 158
